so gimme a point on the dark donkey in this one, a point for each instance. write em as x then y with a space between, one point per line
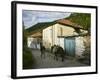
58 52
61 53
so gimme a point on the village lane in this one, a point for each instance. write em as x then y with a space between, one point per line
50 62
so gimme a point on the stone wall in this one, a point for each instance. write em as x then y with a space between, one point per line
80 47
83 45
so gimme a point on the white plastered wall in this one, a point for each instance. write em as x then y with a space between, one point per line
80 48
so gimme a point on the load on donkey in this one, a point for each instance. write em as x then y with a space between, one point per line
58 52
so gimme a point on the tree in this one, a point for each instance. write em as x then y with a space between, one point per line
83 19
27 54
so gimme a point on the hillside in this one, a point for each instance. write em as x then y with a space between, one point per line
83 19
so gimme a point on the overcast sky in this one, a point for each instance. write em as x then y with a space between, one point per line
32 17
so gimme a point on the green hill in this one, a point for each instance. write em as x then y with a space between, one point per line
83 19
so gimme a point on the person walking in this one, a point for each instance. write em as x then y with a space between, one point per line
42 49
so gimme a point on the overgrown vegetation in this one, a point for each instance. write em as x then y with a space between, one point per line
27 54
86 59
27 59
86 54
83 19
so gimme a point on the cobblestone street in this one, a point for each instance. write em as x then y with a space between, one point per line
50 62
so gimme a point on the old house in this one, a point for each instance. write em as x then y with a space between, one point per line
35 34
64 33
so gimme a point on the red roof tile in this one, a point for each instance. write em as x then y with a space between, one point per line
68 22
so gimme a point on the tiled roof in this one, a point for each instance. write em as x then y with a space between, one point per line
68 22
40 26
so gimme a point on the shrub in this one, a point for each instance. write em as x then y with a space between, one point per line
27 59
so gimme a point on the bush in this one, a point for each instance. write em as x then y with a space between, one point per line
27 59
87 53
27 55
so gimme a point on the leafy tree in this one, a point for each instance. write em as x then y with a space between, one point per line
83 19
27 54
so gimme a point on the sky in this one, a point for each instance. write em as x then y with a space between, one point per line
31 18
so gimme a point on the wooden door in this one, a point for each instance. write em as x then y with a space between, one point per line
69 44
